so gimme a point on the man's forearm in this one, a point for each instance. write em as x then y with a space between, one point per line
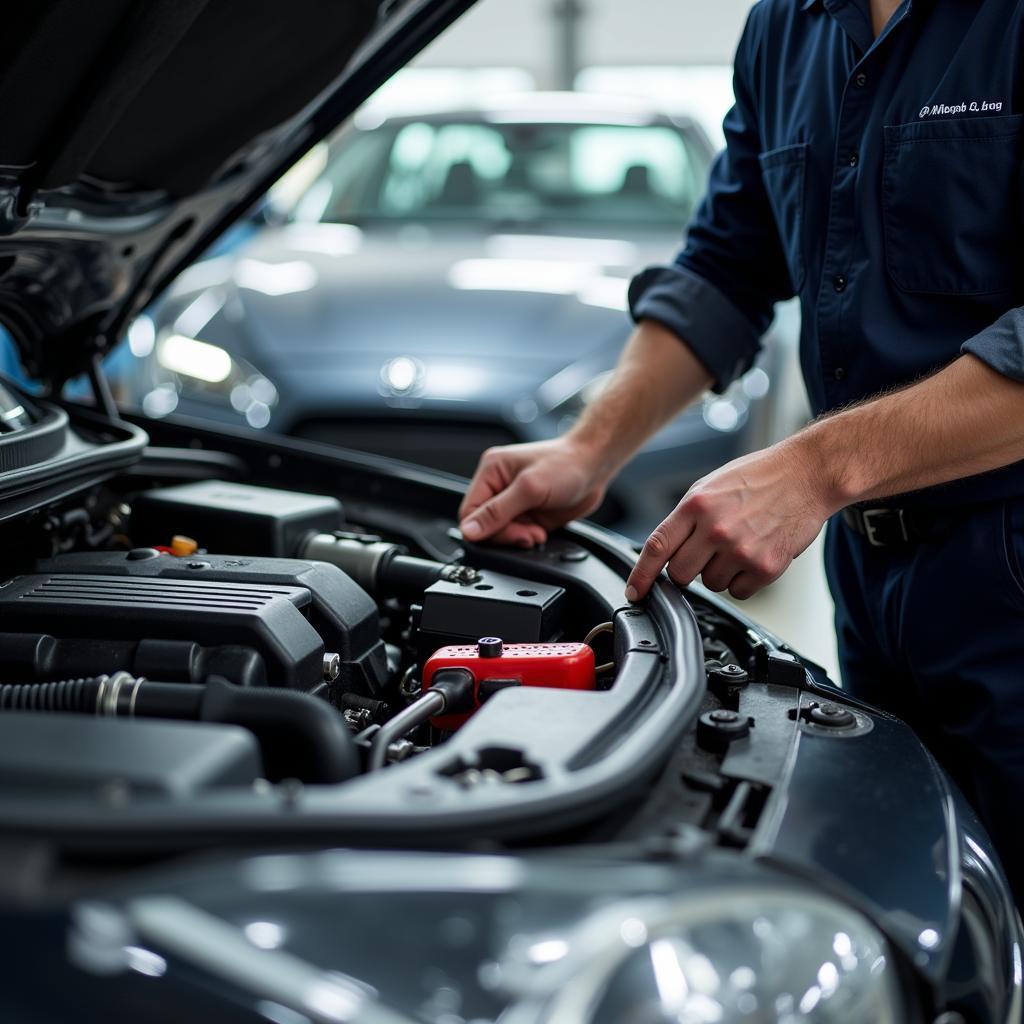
657 376
964 420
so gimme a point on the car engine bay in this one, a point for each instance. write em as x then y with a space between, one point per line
331 646
210 639
173 639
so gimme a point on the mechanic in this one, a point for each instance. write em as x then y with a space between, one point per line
873 167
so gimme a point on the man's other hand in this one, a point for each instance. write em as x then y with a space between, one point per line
740 527
521 492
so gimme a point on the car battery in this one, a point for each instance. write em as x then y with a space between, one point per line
496 666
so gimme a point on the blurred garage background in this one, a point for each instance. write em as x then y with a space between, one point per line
449 272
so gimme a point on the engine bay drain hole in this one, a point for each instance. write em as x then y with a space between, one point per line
492 766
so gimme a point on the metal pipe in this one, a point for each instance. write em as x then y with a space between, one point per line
452 689
421 710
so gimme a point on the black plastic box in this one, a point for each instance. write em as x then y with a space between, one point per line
516 610
45 754
233 519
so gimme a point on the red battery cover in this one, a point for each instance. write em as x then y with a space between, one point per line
557 666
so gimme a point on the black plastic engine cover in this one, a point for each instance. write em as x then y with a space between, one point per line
233 519
342 612
44 754
209 612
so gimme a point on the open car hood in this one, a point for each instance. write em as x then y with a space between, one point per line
134 134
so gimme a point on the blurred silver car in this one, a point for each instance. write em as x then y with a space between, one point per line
453 279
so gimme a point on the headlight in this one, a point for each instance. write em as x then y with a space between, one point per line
746 954
200 369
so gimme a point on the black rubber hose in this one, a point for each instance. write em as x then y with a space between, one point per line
168 700
406 576
381 569
76 695
300 736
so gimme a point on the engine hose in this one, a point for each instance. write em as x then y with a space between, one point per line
451 690
383 570
420 711
66 695
300 736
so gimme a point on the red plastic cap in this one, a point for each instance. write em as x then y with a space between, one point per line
556 666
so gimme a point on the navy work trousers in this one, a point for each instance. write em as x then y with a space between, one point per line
934 633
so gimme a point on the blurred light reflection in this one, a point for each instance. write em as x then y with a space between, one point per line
264 934
276 278
549 277
633 932
668 975
548 951
145 961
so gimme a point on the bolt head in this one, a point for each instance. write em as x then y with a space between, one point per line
725 716
832 715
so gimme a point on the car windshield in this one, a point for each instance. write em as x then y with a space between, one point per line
651 174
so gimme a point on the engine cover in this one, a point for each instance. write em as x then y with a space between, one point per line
340 611
269 618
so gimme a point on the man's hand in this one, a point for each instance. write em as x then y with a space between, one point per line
521 491
741 526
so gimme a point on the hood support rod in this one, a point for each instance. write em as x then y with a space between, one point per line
101 389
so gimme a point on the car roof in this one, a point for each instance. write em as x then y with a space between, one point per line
527 107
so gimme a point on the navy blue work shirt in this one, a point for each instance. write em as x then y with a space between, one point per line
880 180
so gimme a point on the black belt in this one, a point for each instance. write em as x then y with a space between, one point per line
885 527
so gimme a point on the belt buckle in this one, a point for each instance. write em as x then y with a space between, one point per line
869 517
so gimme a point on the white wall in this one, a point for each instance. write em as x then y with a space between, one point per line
662 31
521 33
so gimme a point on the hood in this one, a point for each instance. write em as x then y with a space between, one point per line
134 134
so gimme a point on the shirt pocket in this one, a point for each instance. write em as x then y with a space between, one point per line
784 171
950 205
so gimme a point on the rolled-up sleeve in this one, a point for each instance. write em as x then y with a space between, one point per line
1001 345
690 306
718 296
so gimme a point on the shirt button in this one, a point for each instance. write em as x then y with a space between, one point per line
861 80
839 373
839 283
853 160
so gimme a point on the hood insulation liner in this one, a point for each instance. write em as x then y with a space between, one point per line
163 95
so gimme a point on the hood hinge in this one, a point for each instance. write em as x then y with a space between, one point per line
13 217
